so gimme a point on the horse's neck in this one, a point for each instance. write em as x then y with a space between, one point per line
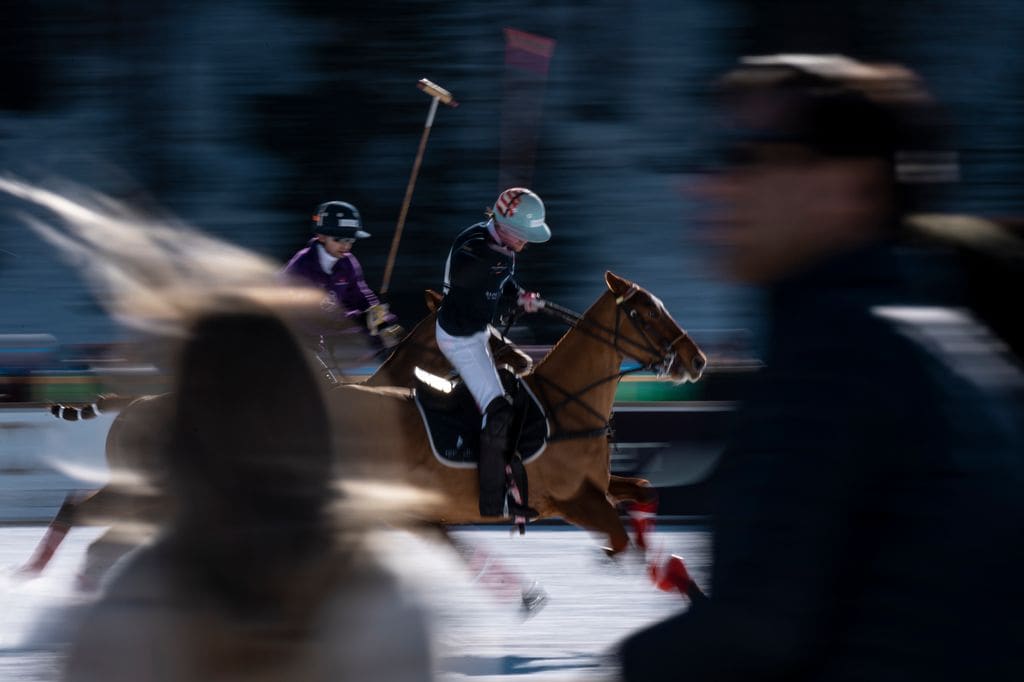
577 362
397 369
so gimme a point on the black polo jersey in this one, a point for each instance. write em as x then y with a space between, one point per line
478 273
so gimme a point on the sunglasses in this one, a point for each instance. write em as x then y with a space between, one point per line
343 240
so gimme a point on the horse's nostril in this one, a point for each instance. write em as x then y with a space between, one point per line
698 363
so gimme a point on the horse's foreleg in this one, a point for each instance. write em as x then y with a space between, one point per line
491 572
589 508
642 504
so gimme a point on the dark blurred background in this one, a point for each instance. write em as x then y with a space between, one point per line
240 117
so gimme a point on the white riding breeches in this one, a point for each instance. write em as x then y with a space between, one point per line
471 356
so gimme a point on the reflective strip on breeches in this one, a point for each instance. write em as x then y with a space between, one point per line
471 356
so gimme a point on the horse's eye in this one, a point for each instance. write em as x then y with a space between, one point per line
632 313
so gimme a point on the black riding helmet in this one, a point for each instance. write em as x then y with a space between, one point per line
338 219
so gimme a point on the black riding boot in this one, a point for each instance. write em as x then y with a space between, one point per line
493 450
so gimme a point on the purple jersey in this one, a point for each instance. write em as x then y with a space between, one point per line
347 291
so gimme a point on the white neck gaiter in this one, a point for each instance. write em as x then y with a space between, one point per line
327 261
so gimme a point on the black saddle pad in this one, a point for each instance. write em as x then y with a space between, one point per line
453 422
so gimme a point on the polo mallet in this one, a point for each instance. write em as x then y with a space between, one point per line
437 94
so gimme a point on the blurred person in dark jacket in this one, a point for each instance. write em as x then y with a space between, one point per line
868 515
991 253
328 263
259 577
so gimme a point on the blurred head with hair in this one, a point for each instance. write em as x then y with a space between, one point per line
263 575
823 154
250 443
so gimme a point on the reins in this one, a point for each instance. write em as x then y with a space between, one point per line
610 336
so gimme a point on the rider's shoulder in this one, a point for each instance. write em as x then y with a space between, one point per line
477 230
302 261
306 253
472 239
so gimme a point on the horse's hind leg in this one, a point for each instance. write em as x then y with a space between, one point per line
589 508
133 520
67 516
642 504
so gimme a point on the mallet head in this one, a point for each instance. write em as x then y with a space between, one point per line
435 90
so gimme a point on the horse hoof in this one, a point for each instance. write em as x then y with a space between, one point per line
613 553
534 598
622 562
608 559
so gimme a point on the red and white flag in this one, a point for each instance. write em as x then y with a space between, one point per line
528 51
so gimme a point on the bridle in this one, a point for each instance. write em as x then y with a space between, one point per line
652 343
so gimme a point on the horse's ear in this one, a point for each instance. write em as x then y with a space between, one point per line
432 299
616 284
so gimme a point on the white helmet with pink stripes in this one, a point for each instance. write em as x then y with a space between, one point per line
521 213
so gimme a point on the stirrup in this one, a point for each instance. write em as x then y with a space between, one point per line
515 507
519 513
512 509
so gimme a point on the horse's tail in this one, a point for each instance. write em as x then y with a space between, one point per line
104 404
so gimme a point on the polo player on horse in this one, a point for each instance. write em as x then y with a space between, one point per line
327 262
479 282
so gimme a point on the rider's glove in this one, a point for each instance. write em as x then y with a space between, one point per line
376 316
530 301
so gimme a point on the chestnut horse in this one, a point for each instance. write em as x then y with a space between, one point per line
575 382
131 450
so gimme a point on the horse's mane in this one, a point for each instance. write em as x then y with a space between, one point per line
150 273
554 352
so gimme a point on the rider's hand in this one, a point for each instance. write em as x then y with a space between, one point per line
376 316
530 301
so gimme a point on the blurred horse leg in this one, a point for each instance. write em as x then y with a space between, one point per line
102 554
67 516
492 573
628 488
133 518
642 504
589 508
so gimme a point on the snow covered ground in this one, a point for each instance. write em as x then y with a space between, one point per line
481 632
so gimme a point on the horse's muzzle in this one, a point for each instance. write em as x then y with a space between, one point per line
698 364
682 371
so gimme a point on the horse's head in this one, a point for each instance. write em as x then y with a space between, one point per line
650 335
